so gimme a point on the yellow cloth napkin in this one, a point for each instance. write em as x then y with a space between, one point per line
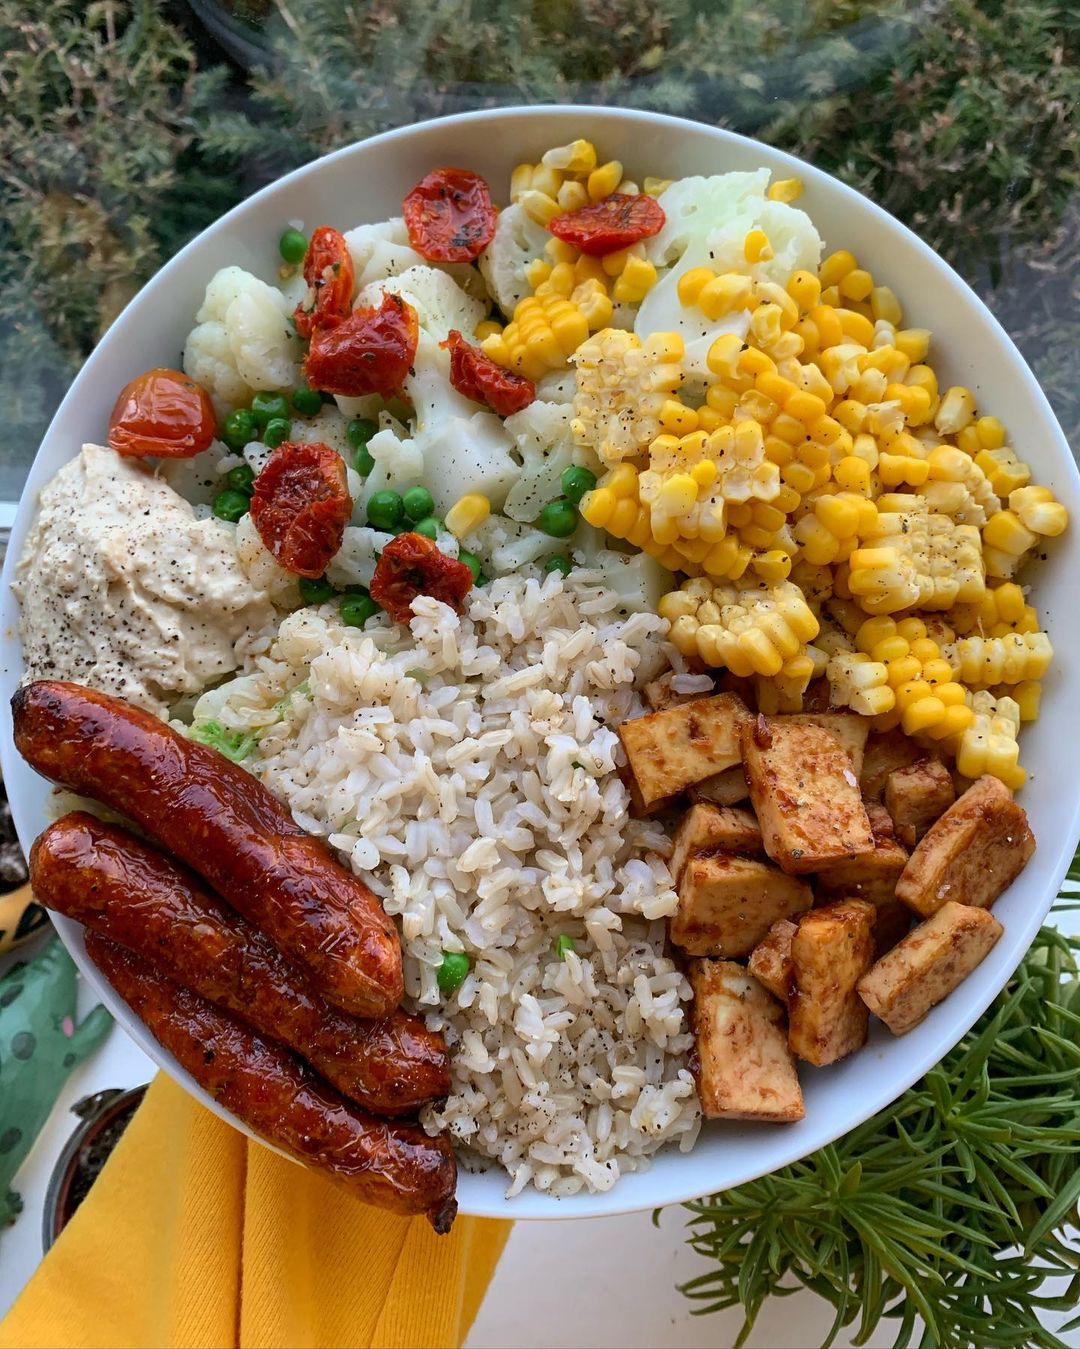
193 1236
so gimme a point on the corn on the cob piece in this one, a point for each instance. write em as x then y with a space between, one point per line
623 386
860 683
989 744
1039 511
747 627
549 325
957 487
911 559
1013 659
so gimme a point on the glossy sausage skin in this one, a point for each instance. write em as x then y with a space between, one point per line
388 1163
105 878
225 825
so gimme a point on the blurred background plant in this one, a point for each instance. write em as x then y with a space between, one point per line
128 125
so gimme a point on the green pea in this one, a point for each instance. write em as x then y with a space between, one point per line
385 510
278 430
241 478
307 402
292 246
315 590
238 429
452 971
559 518
357 609
231 505
481 580
472 562
429 528
418 503
360 430
560 563
576 482
265 407
363 461
564 944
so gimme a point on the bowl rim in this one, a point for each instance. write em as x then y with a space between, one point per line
531 1204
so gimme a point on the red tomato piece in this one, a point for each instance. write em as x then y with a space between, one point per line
162 413
606 226
449 215
369 352
411 565
331 277
479 378
300 506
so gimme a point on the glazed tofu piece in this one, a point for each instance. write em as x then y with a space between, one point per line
722 789
806 794
830 952
928 964
704 828
727 904
871 875
916 796
886 751
638 808
770 960
669 751
892 923
745 1069
973 852
848 727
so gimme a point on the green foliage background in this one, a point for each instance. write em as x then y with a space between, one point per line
124 130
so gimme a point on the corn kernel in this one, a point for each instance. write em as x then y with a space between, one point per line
991 433
913 342
756 246
635 281
854 326
578 157
690 284
956 411
785 189
486 328
824 318
676 419
537 272
628 188
572 196
520 180
604 180
835 266
856 284
654 187
467 514
539 206
885 306
724 294
558 250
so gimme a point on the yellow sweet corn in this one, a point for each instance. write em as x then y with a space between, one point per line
885 305
486 328
785 189
1027 696
548 326
911 558
1001 610
957 410
623 385
467 513
539 206
636 279
1012 659
1039 511
756 246
860 683
989 745
578 158
1004 472
929 700
655 187
1006 542
957 487
745 626
603 180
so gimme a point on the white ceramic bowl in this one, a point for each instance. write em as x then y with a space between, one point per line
366 183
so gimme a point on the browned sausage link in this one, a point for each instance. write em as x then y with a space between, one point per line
226 826
102 876
389 1163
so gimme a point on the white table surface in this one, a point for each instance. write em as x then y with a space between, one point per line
601 1282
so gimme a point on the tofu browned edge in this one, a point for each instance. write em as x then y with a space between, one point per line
669 751
830 952
770 960
928 964
805 794
971 854
741 1061
871 875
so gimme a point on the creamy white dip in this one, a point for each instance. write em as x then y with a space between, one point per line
124 589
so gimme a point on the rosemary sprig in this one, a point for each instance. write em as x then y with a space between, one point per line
949 1206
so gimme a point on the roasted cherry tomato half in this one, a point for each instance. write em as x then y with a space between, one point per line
411 565
300 506
449 216
331 278
479 378
162 413
369 352
606 226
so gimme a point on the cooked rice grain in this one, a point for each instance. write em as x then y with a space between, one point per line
469 774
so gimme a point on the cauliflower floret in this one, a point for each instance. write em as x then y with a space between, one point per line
543 443
505 545
381 250
708 220
638 579
354 562
242 340
261 569
439 301
558 386
518 240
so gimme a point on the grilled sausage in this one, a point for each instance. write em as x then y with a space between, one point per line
103 877
225 825
389 1163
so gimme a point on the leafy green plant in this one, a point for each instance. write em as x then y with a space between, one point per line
949 1206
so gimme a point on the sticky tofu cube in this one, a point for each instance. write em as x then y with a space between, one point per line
727 904
638 809
928 964
916 796
971 854
668 751
744 1068
806 794
770 960
849 728
830 952
871 875
893 922
886 751
704 828
722 789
